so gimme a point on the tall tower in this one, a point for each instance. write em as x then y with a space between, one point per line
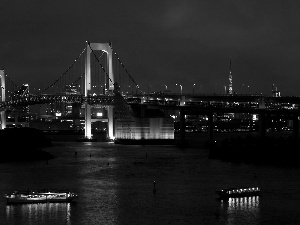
106 47
2 113
230 90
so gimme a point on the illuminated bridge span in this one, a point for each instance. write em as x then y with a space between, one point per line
47 99
98 77
91 79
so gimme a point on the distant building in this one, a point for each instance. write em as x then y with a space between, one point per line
230 89
275 92
18 116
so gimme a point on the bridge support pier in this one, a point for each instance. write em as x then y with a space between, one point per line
3 114
88 127
3 120
110 81
110 115
295 126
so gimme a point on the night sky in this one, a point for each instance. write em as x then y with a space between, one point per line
160 42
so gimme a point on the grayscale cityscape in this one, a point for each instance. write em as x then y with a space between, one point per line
171 112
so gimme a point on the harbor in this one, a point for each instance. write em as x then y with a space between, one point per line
115 186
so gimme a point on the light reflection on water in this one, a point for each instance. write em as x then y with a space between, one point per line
39 213
246 210
115 186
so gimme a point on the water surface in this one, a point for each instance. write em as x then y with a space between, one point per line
115 186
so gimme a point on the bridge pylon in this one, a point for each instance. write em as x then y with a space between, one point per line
3 114
106 48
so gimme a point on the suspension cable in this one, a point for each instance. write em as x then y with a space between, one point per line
125 68
137 86
50 86
11 81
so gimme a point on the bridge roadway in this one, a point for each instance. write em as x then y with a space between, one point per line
221 98
191 104
205 104
46 99
161 98
264 106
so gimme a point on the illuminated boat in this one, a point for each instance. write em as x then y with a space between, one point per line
39 197
238 192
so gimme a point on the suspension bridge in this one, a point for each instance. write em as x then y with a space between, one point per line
94 77
98 77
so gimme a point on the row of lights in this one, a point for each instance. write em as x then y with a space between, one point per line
181 87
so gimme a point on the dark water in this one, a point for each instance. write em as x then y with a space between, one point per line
115 186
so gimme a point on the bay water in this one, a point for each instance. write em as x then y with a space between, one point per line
115 185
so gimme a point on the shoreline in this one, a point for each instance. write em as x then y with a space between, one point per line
193 139
29 151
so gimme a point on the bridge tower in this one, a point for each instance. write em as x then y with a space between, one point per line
106 48
3 114
230 90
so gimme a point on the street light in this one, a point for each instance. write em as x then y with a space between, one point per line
193 89
180 88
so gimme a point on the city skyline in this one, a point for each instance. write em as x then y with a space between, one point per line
161 44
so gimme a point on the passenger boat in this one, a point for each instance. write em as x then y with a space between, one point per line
39 197
238 192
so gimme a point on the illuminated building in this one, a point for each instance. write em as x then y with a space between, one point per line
19 116
137 122
275 92
230 90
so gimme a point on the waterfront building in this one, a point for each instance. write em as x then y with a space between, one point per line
138 122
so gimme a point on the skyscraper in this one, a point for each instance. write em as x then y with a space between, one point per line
230 90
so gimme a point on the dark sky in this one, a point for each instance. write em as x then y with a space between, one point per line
160 42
